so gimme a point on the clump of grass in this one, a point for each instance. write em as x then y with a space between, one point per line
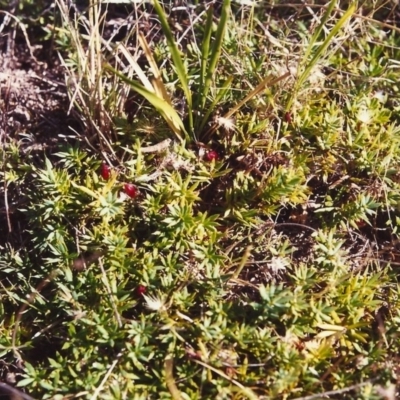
253 259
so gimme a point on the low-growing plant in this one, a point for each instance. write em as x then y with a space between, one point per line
240 243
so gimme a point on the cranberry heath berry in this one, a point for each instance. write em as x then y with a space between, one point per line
211 156
131 190
141 290
105 171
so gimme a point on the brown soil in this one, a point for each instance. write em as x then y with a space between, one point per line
33 100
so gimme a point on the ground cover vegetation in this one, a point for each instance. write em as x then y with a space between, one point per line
206 203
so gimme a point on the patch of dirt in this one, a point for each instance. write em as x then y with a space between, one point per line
34 104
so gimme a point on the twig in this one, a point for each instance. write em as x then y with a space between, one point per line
247 391
6 102
326 395
108 289
242 262
169 378
13 393
277 224
106 376
6 206
157 147
21 25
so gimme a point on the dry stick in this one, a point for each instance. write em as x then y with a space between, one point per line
13 393
157 147
247 391
169 379
6 103
23 32
242 262
106 376
325 395
110 294
6 206
277 224
154 149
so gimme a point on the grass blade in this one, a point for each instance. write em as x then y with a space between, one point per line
221 93
177 59
267 81
133 63
216 49
319 29
326 43
321 50
158 83
162 106
205 49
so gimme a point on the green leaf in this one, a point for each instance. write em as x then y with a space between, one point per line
25 382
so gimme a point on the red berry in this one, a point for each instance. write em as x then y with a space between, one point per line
131 190
361 223
105 171
288 117
141 290
211 155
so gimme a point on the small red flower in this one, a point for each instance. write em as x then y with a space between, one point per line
361 223
131 190
211 155
105 171
141 290
288 117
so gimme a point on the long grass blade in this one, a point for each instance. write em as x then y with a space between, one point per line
267 81
260 87
162 106
321 50
319 29
177 59
221 93
205 50
133 63
216 49
158 83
